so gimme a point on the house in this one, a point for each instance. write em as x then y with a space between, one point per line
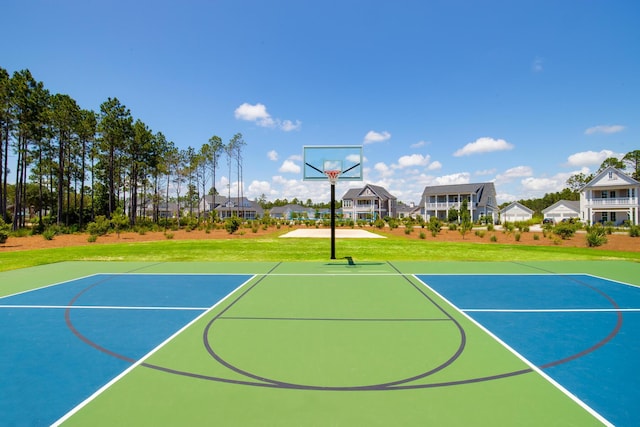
408 211
226 207
516 212
481 199
368 203
561 210
611 196
292 211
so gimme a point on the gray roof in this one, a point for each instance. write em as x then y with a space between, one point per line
518 204
355 193
483 190
574 205
290 208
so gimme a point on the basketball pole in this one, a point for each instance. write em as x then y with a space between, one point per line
333 221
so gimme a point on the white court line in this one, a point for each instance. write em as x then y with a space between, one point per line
521 357
547 310
85 402
103 307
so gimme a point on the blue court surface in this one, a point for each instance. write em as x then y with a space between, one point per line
60 344
580 330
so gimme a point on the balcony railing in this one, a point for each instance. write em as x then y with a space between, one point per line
617 201
443 205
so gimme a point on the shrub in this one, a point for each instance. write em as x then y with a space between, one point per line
480 233
493 238
169 236
422 235
408 230
565 230
435 225
49 233
453 226
4 231
490 227
517 236
536 237
92 238
634 231
100 226
379 223
596 235
232 224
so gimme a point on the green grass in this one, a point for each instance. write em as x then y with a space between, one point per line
274 249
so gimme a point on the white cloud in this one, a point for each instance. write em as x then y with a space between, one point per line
537 65
289 167
486 172
542 185
272 155
257 188
383 169
587 158
413 160
419 144
373 136
604 129
456 178
434 166
510 174
258 114
483 145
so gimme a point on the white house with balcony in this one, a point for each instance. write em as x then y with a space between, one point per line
610 196
481 200
368 203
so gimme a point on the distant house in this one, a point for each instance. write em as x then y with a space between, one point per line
481 199
562 210
515 212
610 196
407 211
368 203
226 207
292 211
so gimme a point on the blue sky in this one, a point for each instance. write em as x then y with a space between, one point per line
520 93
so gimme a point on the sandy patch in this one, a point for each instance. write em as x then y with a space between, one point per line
326 233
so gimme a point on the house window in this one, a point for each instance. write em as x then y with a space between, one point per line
613 216
610 174
612 194
604 216
347 203
604 194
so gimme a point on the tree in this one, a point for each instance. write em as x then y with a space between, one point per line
216 147
578 180
632 161
139 149
115 129
465 219
611 161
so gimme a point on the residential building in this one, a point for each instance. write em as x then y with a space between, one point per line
481 200
611 196
292 212
408 211
368 203
562 210
227 207
515 212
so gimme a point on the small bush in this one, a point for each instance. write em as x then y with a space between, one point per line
634 231
408 230
517 236
493 238
169 236
422 235
49 233
480 233
565 230
536 237
100 226
490 227
232 224
596 236
453 226
379 223
92 238
4 231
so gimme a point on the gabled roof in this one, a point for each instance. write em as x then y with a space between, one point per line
619 178
482 189
518 205
570 204
357 193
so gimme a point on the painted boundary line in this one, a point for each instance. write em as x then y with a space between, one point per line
517 354
145 357
102 307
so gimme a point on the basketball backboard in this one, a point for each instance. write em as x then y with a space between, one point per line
320 158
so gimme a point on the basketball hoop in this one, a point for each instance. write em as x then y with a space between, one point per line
332 175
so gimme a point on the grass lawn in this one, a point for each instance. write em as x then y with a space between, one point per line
271 248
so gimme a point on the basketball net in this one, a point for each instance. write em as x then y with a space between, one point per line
332 175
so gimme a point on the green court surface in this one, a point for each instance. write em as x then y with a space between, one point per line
329 344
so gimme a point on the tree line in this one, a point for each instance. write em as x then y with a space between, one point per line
73 164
